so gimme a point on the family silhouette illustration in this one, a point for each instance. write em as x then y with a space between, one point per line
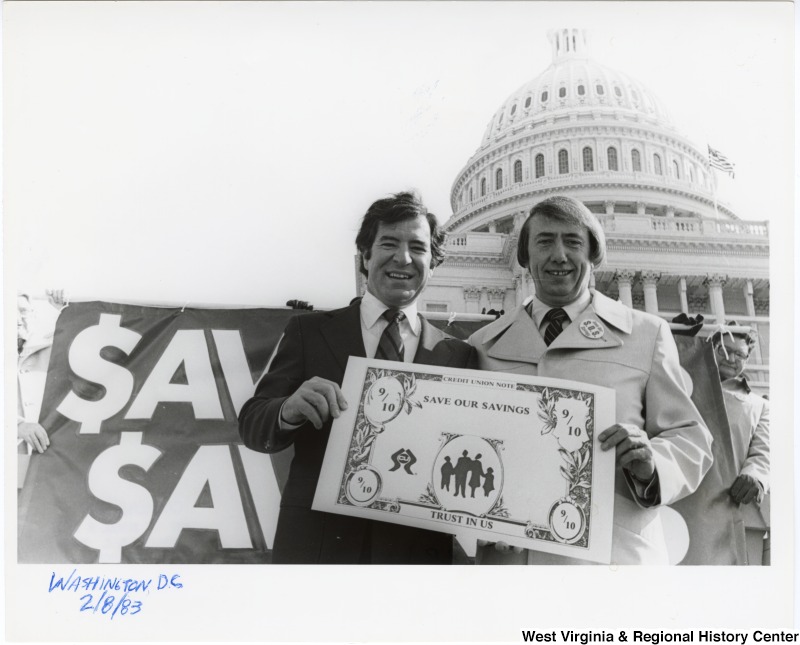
467 472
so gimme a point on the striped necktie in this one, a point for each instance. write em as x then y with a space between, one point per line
390 346
555 318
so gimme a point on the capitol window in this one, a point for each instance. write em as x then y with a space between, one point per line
483 186
691 174
562 92
588 159
657 164
528 102
600 90
676 169
498 179
612 159
563 162
517 171
617 91
636 161
539 165
544 96
581 90
513 109
470 194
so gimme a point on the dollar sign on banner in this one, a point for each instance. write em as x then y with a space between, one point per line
86 362
134 500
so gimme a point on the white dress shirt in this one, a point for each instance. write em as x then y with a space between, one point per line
373 323
574 309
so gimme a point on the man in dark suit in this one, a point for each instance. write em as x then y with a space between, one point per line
295 402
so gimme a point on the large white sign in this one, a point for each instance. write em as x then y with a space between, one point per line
483 455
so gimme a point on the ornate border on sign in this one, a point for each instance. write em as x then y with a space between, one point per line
408 381
577 467
499 509
429 497
538 533
390 505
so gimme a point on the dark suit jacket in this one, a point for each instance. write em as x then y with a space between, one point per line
319 344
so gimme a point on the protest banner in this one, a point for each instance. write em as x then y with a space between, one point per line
145 463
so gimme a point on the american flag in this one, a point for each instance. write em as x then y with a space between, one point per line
718 160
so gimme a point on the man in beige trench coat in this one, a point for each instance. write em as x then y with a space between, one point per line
663 448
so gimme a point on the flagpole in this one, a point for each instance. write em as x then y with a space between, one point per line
716 160
713 180
714 190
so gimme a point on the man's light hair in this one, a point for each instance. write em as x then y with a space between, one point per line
572 211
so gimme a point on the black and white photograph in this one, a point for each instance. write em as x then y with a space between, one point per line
498 291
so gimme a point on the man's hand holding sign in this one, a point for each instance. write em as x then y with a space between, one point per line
633 449
315 401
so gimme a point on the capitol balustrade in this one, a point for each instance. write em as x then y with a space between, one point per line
631 223
689 226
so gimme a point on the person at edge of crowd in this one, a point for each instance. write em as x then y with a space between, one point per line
33 357
663 448
399 244
748 418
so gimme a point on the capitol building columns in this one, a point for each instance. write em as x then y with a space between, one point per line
496 298
650 284
748 299
472 297
519 220
624 280
715 282
682 297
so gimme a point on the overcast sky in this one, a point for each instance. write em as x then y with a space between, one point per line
223 153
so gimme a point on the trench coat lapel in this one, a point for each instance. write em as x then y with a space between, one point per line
612 316
613 312
342 333
431 337
573 338
519 340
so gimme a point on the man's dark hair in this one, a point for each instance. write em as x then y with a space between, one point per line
398 208
572 211
749 336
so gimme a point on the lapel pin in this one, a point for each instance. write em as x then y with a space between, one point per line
592 329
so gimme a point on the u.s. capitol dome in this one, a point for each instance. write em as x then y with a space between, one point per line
583 129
